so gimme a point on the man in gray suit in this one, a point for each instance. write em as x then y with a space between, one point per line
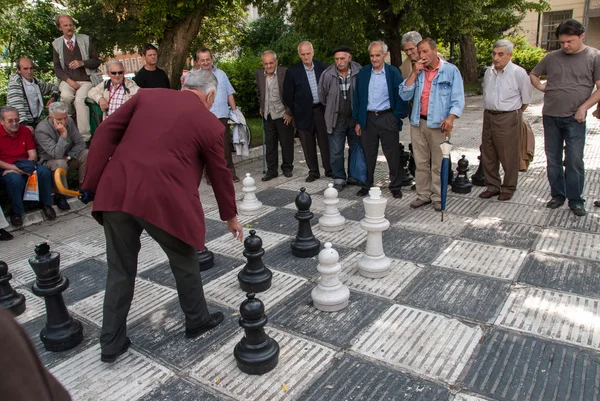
277 116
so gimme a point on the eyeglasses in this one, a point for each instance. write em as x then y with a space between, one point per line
12 120
410 49
116 73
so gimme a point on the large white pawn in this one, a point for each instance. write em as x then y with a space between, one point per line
373 263
332 220
330 295
250 204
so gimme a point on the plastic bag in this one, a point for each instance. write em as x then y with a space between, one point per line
358 164
32 192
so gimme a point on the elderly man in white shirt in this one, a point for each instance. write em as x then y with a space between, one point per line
507 92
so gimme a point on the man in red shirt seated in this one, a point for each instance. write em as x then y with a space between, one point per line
17 161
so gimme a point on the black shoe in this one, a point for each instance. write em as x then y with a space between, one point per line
338 187
397 194
49 212
287 174
352 181
110 358
597 203
554 204
5 235
363 192
215 320
578 210
329 174
235 179
310 178
268 177
16 220
61 202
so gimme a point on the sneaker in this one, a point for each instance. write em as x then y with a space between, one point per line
554 204
110 358
578 210
5 235
16 220
417 203
363 192
49 212
61 202
215 320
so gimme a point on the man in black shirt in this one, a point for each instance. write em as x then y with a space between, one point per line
150 76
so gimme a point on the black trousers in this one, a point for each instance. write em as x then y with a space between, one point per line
309 139
277 131
384 128
122 231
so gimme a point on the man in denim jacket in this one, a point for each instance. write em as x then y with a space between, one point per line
436 88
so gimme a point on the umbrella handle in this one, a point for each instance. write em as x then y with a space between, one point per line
58 174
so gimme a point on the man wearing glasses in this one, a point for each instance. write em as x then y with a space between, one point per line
409 46
112 94
26 93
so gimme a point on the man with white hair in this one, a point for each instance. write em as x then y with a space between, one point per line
507 92
409 43
111 94
61 145
144 170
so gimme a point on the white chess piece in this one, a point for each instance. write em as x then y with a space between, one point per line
330 295
373 263
332 220
250 205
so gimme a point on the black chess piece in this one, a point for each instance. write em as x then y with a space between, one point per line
406 178
256 353
62 332
462 185
478 178
305 245
206 259
9 298
254 277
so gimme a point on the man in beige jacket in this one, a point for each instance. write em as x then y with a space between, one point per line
111 95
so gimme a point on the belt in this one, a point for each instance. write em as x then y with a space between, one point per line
496 112
423 117
379 112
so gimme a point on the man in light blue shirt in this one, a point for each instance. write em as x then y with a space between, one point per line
223 100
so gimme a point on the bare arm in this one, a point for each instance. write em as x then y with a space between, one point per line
32 155
231 102
537 84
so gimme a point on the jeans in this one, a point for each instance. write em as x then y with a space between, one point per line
567 132
337 144
15 185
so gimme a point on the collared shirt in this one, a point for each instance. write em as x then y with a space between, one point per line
67 41
429 76
15 147
312 81
34 98
116 98
273 104
345 83
220 107
379 97
506 90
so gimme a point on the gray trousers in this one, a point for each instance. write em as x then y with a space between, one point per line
122 231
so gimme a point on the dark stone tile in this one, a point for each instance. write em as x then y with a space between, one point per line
417 247
280 221
214 229
473 297
86 278
91 335
564 274
504 233
338 328
354 379
177 389
356 212
510 366
161 334
277 197
163 275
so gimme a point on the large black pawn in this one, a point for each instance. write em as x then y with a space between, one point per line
406 178
305 245
62 332
461 184
256 353
206 259
254 277
9 298
478 178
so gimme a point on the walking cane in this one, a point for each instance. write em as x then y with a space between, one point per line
83 196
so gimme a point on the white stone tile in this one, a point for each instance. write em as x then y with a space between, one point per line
300 362
467 397
423 342
570 243
524 214
352 236
227 245
317 205
243 219
559 316
226 289
431 222
132 377
147 298
312 188
34 307
488 260
66 227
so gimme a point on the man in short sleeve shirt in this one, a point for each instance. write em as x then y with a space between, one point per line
571 74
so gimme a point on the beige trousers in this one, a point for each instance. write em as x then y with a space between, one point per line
77 163
426 148
75 99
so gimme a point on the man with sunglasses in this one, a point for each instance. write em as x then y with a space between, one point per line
112 94
26 93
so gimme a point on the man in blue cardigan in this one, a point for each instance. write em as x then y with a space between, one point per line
378 112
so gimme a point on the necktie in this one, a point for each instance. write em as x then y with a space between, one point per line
70 45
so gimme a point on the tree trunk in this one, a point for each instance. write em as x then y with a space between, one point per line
392 33
468 58
174 47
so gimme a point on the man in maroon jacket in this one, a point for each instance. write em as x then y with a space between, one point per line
144 169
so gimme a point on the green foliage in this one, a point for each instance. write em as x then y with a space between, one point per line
223 29
240 71
527 56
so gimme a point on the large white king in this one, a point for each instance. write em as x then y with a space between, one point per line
330 295
373 263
